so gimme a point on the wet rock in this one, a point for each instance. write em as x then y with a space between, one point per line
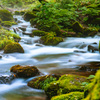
6 79
13 47
28 33
25 71
94 43
42 81
25 26
22 28
93 48
19 21
91 66
51 39
0 56
79 51
40 45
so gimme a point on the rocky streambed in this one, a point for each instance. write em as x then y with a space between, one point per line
78 56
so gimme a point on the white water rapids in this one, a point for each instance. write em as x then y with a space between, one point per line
48 59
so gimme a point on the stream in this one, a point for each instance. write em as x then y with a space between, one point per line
63 58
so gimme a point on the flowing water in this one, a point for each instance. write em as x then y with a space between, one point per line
59 59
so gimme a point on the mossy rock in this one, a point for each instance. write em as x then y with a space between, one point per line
29 15
5 15
65 84
19 12
70 96
16 37
13 47
39 33
24 71
51 39
7 23
92 90
77 27
43 81
52 27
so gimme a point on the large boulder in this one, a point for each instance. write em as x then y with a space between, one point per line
5 15
51 39
24 71
65 84
39 33
93 48
42 81
6 79
13 47
94 65
29 15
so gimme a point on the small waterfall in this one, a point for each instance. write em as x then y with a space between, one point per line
62 58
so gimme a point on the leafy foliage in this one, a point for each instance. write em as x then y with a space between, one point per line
51 13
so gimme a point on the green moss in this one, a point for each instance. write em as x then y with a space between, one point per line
43 81
5 15
70 96
29 15
65 84
13 47
7 37
92 90
24 71
4 42
39 33
77 27
50 39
